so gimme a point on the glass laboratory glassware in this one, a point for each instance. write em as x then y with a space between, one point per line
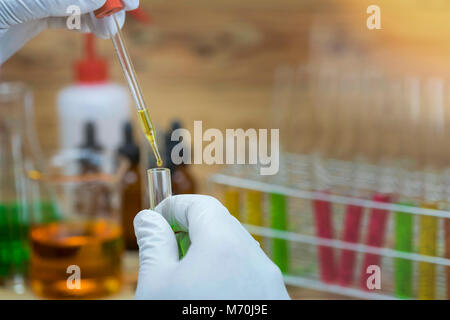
410 186
15 104
78 253
109 9
159 185
433 141
159 189
129 156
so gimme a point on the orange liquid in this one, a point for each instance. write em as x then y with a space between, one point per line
95 247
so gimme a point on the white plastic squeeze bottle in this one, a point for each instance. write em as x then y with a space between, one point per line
92 98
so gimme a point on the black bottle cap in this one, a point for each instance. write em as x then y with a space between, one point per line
90 139
167 152
176 124
129 148
169 145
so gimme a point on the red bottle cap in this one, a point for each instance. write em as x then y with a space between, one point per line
140 15
109 8
91 69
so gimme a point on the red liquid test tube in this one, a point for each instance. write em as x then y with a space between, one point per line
324 230
375 236
351 230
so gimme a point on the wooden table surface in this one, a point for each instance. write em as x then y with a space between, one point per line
131 266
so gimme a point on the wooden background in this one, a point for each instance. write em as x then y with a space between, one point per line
214 60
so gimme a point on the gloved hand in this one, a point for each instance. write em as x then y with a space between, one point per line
223 261
21 20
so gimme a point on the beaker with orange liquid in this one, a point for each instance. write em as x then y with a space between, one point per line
78 254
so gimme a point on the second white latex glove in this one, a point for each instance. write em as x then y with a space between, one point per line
223 261
21 20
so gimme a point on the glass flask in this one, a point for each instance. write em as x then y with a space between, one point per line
77 250
15 108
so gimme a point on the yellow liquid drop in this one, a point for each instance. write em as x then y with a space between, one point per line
150 134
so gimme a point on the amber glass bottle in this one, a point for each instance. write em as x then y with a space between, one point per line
182 180
129 157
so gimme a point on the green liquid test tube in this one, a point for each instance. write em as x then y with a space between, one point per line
403 268
278 215
159 189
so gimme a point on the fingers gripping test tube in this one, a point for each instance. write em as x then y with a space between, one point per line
159 189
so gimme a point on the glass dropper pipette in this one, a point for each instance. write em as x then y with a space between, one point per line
109 9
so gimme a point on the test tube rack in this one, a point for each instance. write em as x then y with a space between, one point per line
327 237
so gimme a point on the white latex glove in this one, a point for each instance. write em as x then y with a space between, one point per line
223 262
21 20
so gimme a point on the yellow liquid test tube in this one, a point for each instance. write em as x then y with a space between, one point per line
447 252
254 211
427 246
231 198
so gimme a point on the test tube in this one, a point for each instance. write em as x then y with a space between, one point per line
159 186
447 252
231 196
432 183
403 268
410 185
280 249
324 230
360 184
254 210
375 237
285 96
109 9
159 189
427 246
353 218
